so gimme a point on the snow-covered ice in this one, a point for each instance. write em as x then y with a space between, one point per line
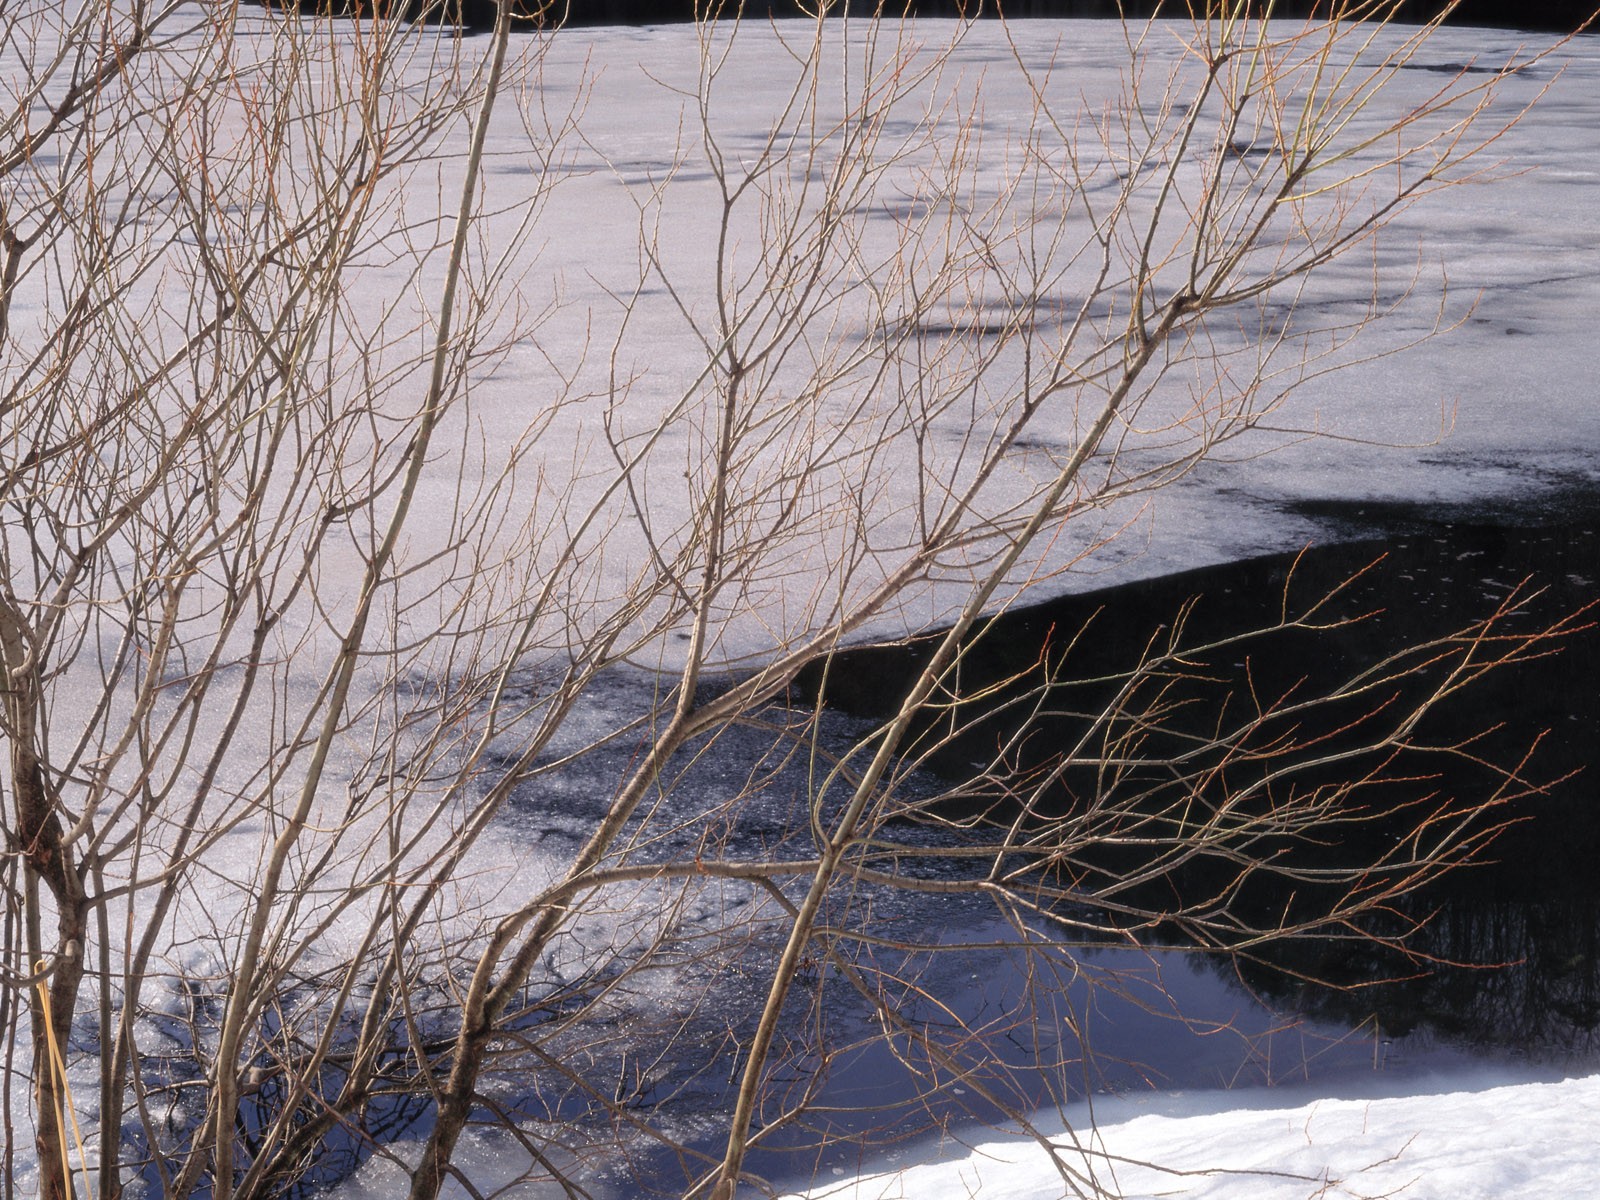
1499 405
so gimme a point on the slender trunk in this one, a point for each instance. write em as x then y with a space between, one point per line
47 860
50 1028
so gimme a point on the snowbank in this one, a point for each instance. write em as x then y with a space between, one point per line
1484 1137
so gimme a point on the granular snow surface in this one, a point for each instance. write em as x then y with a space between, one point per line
1477 1138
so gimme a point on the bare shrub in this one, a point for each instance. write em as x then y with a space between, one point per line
296 603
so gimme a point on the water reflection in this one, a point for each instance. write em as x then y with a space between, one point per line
1501 956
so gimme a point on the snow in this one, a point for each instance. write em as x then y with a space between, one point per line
1479 1137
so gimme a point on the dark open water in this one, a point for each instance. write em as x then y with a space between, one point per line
1516 937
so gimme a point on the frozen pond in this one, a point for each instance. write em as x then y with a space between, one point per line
413 621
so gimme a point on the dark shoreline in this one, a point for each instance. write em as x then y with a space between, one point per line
1556 16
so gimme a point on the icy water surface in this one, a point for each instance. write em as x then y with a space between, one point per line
1514 971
